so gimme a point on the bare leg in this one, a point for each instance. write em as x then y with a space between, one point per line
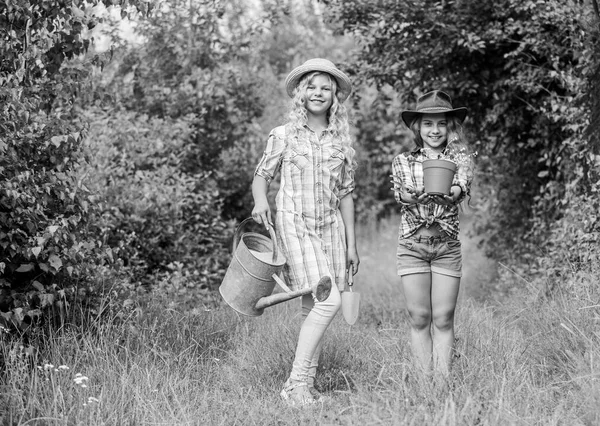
444 293
417 293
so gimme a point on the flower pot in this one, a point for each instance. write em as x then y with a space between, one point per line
438 176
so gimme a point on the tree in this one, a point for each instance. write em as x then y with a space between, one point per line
520 66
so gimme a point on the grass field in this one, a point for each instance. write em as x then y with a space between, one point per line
522 359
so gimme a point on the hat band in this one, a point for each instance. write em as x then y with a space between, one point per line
434 109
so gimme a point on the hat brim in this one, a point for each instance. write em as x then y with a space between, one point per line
344 85
409 116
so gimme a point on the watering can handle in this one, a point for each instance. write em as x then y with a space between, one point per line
238 235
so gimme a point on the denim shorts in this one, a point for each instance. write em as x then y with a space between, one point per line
419 254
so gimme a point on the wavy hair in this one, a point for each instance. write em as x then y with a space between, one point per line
337 115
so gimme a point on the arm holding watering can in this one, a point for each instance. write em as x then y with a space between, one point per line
261 212
264 174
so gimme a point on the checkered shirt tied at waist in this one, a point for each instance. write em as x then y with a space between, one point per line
408 168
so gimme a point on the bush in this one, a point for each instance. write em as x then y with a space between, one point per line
44 245
43 208
154 217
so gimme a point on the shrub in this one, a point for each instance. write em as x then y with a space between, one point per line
154 217
43 207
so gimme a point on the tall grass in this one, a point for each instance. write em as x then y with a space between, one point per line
526 359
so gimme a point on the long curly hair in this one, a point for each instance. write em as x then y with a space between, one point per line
337 116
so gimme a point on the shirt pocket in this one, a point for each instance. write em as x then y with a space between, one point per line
336 159
297 155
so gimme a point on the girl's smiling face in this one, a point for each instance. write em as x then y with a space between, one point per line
319 95
434 131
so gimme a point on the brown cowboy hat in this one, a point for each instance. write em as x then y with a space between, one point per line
344 85
434 102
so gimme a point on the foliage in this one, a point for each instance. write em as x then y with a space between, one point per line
189 66
379 140
153 216
52 227
43 206
193 62
520 66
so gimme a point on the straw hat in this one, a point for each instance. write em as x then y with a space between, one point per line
344 85
434 102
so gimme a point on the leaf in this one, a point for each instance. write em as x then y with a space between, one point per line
47 299
18 314
55 262
25 267
36 251
38 285
57 140
34 313
543 173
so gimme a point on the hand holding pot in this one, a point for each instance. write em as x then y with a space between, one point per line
447 199
410 195
416 196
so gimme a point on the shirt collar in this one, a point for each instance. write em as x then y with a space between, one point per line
311 130
420 151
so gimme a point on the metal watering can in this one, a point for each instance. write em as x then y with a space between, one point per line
253 272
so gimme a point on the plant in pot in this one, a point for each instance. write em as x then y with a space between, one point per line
439 169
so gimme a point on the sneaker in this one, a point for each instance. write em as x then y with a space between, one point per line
297 393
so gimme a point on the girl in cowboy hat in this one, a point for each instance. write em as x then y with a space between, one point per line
429 252
315 209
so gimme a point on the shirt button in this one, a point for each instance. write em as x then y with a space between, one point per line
319 201
318 164
319 218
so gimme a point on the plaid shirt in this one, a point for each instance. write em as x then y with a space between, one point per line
408 168
316 173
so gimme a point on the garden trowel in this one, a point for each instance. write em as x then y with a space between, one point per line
350 301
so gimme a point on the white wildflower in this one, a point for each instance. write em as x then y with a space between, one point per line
80 380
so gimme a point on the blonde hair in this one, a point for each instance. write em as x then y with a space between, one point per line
337 116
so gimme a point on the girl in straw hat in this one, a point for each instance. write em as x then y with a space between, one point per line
429 251
315 209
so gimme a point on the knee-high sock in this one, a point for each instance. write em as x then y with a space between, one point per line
313 328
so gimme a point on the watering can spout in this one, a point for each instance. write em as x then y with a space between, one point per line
321 290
